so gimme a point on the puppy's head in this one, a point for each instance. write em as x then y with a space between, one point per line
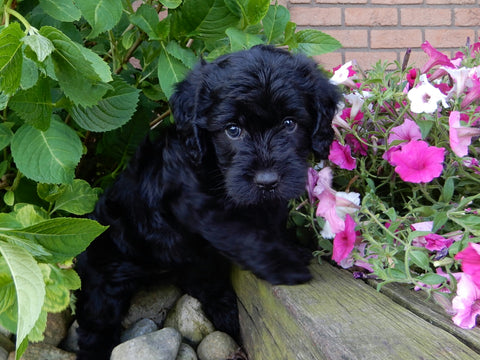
258 113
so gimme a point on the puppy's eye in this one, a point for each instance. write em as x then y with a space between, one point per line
290 125
234 132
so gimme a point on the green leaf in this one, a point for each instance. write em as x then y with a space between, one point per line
420 259
80 72
3 100
102 15
63 238
185 55
275 22
251 11
40 45
313 42
50 192
29 286
113 111
431 279
6 136
100 67
29 74
9 221
448 190
203 19
240 40
11 58
170 71
36 334
255 10
34 106
62 10
470 222
58 286
28 214
7 291
78 198
47 156
290 38
439 220
146 18
171 4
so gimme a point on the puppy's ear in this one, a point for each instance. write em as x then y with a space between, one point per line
327 97
184 106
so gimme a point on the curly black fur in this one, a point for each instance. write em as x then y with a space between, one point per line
212 190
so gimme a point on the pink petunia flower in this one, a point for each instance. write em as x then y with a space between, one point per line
435 58
417 162
312 179
334 213
411 78
344 241
473 164
344 75
347 114
467 302
474 48
432 241
435 242
460 136
408 131
473 92
357 146
327 209
470 258
387 155
341 155
460 76
333 206
356 100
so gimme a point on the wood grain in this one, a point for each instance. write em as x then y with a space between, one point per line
336 317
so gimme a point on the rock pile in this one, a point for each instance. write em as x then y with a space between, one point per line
162 324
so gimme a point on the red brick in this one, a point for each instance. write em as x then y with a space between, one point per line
314 16
417 58
367 59
330 60
341 1
450 2
371 16
467 17
350 38
423 18
390 39
396 2
448 38
299 1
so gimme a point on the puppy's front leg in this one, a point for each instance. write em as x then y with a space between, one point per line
103 301
262 251
255 246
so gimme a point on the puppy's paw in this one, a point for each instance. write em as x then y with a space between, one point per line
288 274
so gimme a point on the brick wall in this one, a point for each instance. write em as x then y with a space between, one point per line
372 30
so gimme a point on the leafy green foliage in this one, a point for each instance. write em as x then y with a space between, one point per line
81 83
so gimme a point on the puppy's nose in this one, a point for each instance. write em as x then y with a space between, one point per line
266 180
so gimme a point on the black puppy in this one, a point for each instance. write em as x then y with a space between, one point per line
213 190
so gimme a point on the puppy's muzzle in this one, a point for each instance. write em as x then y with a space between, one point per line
266 180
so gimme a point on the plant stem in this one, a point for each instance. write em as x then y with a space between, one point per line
19 17
383 227
129 53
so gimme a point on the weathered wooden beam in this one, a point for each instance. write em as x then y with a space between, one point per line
335 317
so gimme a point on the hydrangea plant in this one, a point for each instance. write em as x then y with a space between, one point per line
400 192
